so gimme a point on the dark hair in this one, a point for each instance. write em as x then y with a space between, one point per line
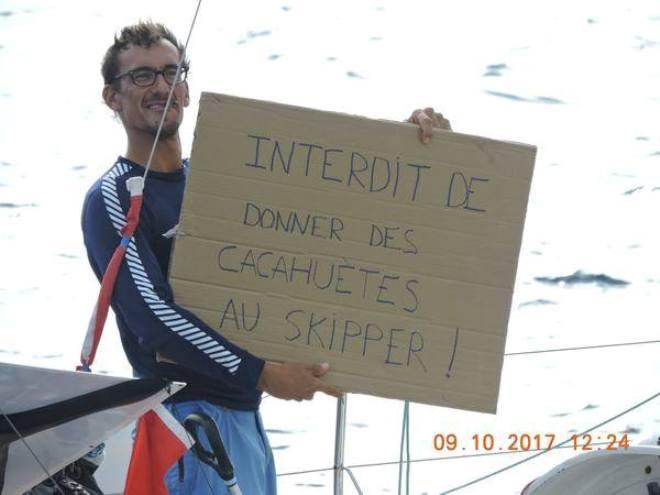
145 34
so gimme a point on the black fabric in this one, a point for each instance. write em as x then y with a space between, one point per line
4 453
43 418
75 479
144 308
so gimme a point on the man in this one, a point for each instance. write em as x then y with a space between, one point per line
223 380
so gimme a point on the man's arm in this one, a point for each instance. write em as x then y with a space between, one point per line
296 381
144 299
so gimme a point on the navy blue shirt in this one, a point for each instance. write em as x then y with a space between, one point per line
148 319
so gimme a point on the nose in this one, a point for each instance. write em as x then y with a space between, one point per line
160 81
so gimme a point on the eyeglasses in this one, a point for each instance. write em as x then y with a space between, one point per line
146 76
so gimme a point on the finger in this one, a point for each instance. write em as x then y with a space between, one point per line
331 390
425 124
445 124
435 117
413 116
439 120
318 370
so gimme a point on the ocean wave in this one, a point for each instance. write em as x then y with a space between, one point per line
580 277
633 190
18 205
539 99
537 302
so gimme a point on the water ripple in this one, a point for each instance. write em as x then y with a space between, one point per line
539 99
580 277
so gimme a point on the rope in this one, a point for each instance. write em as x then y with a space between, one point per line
405 438
433 459
317 470
32 453
466 456
562 445
354 480
586 347
510 466
171 92
408 449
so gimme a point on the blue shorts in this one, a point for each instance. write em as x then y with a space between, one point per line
245 440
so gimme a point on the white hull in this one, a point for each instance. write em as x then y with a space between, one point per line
617 472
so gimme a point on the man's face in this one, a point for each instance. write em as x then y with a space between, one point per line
141 108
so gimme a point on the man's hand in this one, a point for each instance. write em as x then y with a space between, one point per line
296 381
427 119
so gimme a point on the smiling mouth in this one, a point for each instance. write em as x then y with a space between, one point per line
159 106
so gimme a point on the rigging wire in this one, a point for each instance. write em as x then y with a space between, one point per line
562 445
405 440
581 348
171 93
32 453
432 459
510 466
466 456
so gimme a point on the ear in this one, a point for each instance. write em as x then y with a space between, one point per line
110 97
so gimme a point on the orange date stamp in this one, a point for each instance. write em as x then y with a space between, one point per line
523 442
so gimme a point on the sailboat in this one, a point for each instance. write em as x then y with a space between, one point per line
49 418
634 470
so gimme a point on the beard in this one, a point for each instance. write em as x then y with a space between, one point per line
172 118
168 130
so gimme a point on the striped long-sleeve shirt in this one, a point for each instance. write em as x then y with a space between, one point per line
148 319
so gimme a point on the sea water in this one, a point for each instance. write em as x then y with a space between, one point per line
580 80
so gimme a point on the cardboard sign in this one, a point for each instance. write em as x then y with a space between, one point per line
313 236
